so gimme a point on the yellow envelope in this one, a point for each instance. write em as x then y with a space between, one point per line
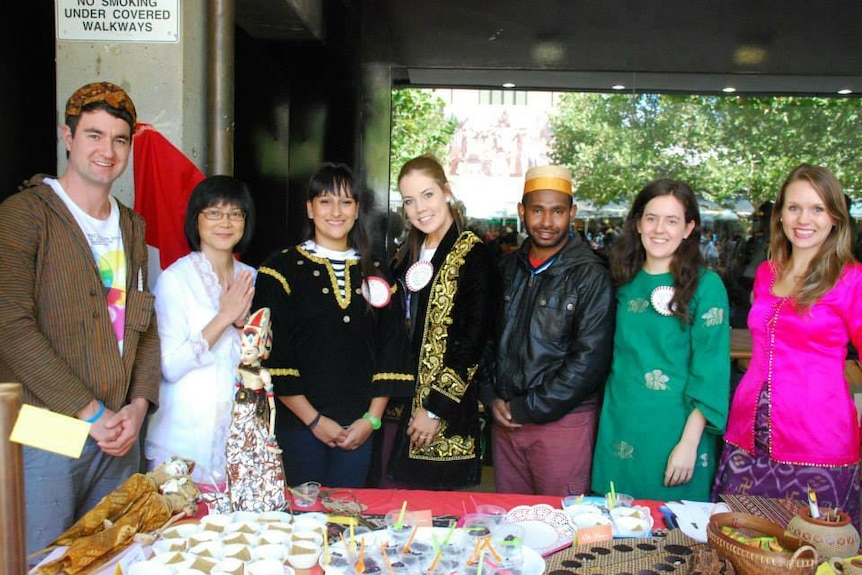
44 429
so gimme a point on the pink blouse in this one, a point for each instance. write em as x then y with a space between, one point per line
812 419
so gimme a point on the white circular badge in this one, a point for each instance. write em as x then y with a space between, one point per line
660 299
376 291
418 275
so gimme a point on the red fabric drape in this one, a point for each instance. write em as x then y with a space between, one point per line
164 180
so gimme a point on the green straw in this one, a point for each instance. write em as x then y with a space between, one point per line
436 542
302 496
400 522
451 531
613 502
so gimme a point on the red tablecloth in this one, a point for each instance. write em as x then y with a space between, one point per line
444 502
457 503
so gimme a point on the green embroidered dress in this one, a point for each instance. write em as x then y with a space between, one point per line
661 370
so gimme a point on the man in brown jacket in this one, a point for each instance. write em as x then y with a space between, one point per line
77 324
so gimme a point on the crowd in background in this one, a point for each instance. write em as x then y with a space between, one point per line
733 252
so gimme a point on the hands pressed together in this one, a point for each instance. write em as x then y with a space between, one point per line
332 434
116 432
236 297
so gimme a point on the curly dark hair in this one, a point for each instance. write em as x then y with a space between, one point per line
627 255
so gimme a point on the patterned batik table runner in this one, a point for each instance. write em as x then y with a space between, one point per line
674 553
779 511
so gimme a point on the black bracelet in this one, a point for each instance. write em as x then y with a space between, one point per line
314 421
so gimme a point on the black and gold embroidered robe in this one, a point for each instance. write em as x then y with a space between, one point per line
452 318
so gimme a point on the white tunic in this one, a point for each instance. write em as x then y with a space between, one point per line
198 382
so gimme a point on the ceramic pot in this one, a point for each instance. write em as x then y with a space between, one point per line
845 567
830 538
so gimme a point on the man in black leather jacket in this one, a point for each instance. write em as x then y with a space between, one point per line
553 347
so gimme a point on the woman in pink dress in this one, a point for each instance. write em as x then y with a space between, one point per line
793 423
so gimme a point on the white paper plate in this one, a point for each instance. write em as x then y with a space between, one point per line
546 529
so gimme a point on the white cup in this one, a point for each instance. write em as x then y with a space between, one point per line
304 555
149 568
230 566
270 551
265 567
238 551
217 523
275 537
633 525
211 549
591 519
168 546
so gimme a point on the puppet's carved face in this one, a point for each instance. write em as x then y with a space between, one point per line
176 466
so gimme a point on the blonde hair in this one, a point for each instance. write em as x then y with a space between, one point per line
835 252
429 165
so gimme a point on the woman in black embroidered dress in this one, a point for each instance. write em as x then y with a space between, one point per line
339 348
449 283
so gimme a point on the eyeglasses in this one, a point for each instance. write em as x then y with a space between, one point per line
232 215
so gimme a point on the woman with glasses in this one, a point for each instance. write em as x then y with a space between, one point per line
202 302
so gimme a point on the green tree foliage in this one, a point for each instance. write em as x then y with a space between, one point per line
615 143
419 126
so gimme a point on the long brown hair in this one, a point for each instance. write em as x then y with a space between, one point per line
431 167
627 254
836 251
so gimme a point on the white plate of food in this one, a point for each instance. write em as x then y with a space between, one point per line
423 541
546 529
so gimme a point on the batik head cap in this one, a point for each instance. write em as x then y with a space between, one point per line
257 332
554 178
96 92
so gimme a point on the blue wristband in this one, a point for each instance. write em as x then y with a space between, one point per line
99 413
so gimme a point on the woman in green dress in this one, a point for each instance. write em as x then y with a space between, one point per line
666 399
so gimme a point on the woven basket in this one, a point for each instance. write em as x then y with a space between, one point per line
748 560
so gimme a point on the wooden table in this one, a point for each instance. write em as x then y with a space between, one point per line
740 344
740 352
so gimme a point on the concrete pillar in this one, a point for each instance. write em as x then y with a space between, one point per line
167 82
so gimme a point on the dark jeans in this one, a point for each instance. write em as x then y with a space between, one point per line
306 458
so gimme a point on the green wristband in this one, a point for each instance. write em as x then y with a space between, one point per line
375 422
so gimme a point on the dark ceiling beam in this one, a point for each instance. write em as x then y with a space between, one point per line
768 47
294 20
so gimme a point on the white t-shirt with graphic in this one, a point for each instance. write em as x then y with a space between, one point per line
106 243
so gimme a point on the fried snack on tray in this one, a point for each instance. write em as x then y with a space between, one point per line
142 504
764 543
